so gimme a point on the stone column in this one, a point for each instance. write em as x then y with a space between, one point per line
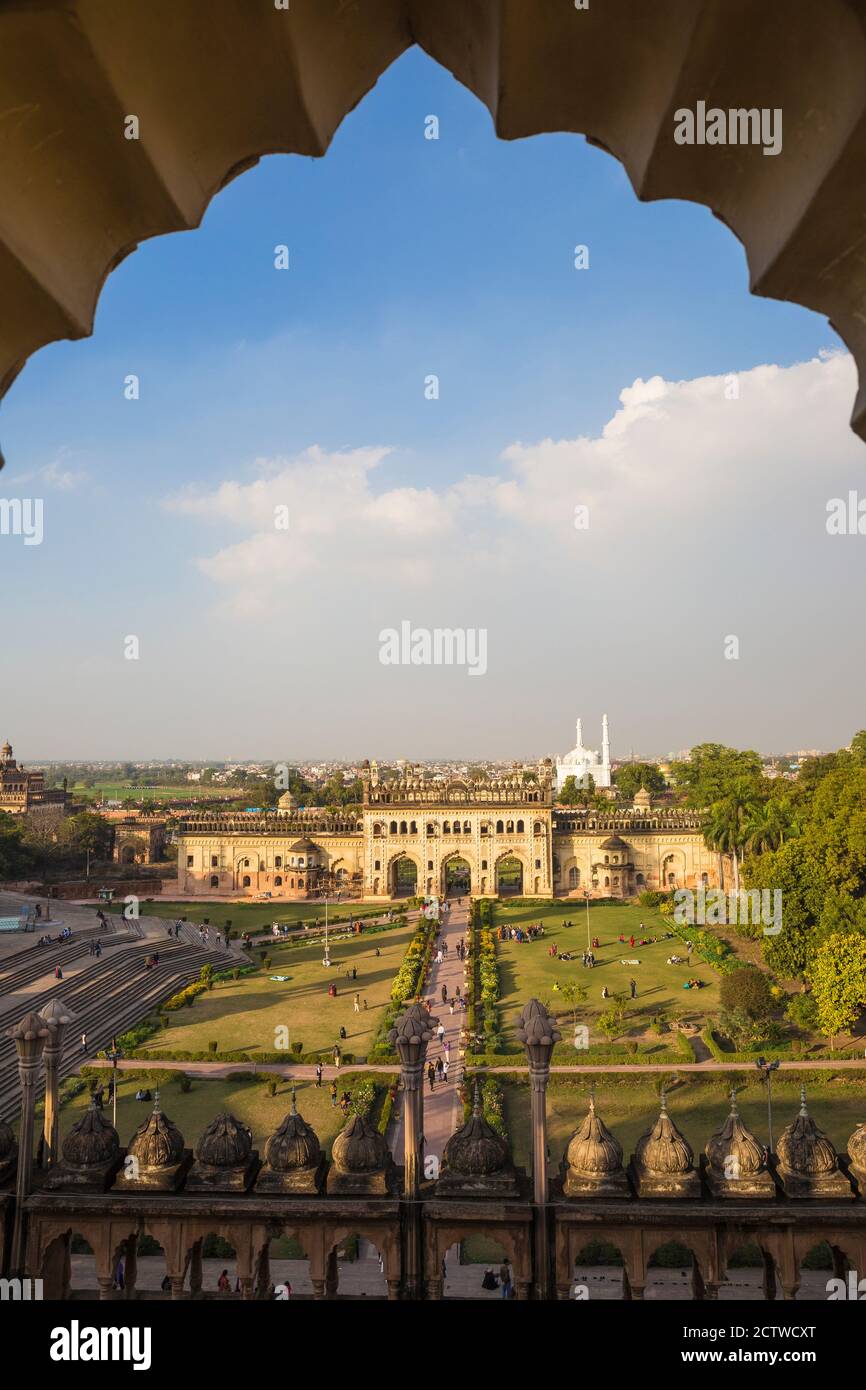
410 1036
130 1267
195 1270
57 1017
538 1032
29 1036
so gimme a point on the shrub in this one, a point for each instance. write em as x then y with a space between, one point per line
272 1087
185 1083
748 990
213 1047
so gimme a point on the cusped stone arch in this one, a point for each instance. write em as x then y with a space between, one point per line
283 79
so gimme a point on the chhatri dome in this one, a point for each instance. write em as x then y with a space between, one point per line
582 762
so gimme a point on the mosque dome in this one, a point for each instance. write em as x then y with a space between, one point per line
303 847
293 1145
804 1149
663 1149
593 1152
359 1148
287 802
642 798
226 1143
734 1148
157 1143
92 1141
476 1149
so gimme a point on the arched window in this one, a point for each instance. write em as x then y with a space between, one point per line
509 828
214 880
467 828
457 827
499 827
607 883
278 862
402 827
431 829
446 827
520 827
278 882
413 828
300 883
246 882
640 878
300 861
607 859
393 827
292 884
246 863
573 877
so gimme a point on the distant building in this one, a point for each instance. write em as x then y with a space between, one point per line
22 791
582 762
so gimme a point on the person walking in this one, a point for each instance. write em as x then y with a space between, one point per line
318 1076
357 1003
444 994
431 1075
440 1067
83 1042
445 1070
505 1279
333 1090
632 984
337 1055
440 1031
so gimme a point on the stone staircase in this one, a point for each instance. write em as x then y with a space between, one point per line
108 996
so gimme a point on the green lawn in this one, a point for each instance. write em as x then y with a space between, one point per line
189 791
242 1015
247 1100
698 1106
526 970
251 917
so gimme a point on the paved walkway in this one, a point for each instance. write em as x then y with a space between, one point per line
443 1112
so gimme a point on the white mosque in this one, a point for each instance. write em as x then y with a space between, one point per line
581 761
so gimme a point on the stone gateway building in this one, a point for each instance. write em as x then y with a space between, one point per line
497 836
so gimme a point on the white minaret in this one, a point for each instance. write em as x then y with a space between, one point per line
579 743
605 743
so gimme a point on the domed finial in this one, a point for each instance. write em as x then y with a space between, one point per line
663 1100
477 1108
294 1109
733 1095
156 1106
803 1109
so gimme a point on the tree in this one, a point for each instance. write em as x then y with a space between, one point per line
16 857
837 976
573 995
725 825
747 989
712 771
630 778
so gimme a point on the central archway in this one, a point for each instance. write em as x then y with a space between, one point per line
509 876
456 877
404 877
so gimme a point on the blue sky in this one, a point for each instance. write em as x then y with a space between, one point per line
408 257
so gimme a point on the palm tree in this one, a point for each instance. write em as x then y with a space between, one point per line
766 828
725 829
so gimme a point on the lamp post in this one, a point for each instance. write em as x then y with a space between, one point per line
766 1069
326 959
538 1032
587 895
114 1055
411 1034
29 1036
57 1017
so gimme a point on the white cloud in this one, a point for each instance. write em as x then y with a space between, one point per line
677 463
